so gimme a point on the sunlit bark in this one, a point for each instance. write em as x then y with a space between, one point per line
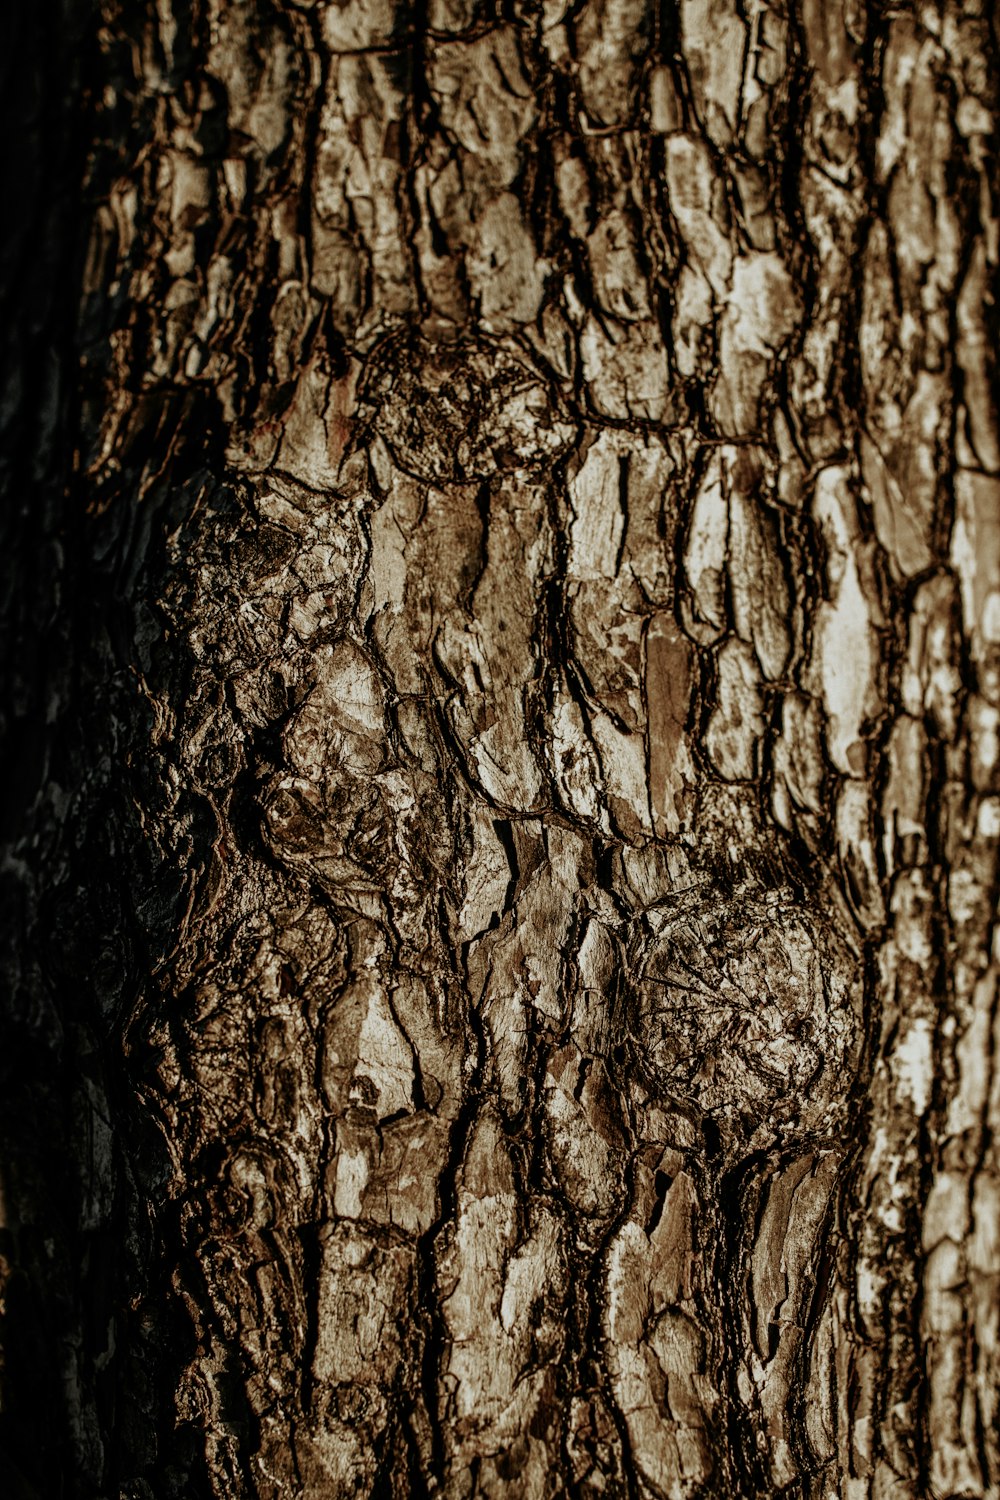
541 476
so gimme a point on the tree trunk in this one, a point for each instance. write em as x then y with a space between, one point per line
511 892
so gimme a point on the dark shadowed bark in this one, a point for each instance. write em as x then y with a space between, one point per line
506 858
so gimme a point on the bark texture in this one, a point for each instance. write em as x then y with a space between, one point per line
521 900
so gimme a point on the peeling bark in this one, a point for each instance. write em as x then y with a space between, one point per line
523 882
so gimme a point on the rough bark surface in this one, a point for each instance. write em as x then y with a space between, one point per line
511 891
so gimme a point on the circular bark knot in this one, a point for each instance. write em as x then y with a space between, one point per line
749 1010
457 413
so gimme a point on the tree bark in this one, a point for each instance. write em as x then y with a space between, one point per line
511 890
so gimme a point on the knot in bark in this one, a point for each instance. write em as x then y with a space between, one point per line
458 413
747 1010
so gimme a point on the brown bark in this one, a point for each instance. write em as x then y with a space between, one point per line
541 469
